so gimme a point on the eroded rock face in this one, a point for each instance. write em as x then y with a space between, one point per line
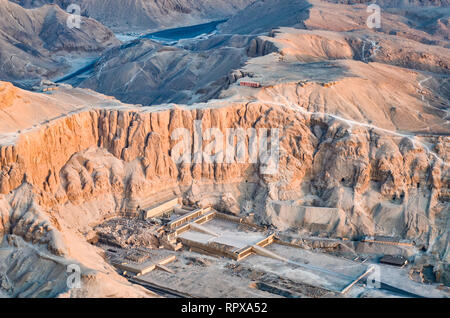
26 271
363 131
376 180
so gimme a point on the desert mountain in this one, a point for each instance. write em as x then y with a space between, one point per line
129 15
145 72
35 42
362 115
396 3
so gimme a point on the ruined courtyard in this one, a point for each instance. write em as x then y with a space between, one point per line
184 251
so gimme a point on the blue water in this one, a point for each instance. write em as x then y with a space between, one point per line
184 32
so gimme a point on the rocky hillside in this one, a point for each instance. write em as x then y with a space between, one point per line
382 180
362 118
148 73
124 15
31 40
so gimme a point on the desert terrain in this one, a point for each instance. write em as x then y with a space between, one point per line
355 203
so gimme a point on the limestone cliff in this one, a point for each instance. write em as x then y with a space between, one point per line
323 162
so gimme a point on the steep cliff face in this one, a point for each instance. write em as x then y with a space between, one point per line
323 162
